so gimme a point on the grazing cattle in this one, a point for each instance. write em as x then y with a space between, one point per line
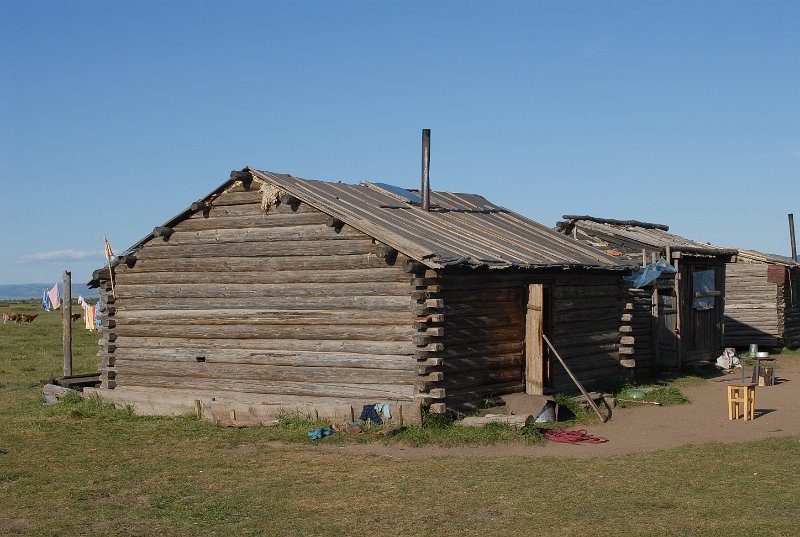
75 317
13 317
27 318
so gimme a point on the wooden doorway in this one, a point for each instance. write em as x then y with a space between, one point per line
538 368
667 344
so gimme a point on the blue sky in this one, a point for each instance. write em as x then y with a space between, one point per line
114 116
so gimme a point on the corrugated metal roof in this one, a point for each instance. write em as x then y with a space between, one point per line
761 257
645 234
460 229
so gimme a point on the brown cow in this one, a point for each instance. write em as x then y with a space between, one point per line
27 318
13 317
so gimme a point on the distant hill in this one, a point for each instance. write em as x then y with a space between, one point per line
28 291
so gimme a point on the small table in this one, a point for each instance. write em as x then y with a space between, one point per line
769 366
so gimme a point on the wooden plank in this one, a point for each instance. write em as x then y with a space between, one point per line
535 366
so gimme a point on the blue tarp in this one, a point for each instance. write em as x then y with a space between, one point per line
650 273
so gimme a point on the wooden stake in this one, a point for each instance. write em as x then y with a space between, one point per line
66 322
575 380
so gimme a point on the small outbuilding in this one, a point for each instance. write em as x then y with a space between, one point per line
276 294
676 321
762 305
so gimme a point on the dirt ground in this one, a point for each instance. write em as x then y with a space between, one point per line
649 428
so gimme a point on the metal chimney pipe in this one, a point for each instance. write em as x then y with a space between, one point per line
791 237
426 169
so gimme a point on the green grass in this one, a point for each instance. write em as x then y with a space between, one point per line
86 468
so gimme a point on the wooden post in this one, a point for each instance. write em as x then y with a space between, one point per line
66 321
791 238
534 351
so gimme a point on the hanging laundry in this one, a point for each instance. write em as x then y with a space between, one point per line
385 409
368 413
45 301
54 296
95 314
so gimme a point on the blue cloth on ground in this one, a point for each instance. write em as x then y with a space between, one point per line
650 273
320 433
702 280
368 413
385 409
45 301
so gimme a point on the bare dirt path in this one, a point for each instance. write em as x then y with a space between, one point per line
649 428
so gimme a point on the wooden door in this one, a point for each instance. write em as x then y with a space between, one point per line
536 373
667 347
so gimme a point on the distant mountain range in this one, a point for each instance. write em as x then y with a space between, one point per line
27 291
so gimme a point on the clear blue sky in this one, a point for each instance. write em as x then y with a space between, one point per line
117 115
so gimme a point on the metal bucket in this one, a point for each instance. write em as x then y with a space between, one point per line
753 350
547 414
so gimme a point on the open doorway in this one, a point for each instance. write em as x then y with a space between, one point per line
538 362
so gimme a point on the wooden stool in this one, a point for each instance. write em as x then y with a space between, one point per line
741 400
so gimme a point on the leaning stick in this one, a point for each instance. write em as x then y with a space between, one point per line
575 380
110 272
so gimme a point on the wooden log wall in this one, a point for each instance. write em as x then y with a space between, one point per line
789 309
108 336
587 309
476 334
637 325
752 307
282 305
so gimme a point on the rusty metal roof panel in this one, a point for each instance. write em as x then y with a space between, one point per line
460 229
645 234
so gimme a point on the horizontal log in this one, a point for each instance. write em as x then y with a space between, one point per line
259 249
268 220
238 331
311 232
376 392
586 315
237 290
517 422
264 316
464 380
275 358
228 371
482 363
267 345
255 264
481 349
384 274
599 291
362 303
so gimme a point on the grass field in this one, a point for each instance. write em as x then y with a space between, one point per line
83 468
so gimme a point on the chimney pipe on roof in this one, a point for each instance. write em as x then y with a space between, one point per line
426 168
791 237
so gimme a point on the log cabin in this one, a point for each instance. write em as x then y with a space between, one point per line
762 305
676 322
279 294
